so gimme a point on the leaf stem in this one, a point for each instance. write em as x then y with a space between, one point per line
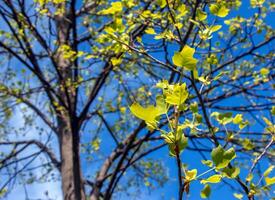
205 172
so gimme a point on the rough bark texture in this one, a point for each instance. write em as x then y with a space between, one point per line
72 184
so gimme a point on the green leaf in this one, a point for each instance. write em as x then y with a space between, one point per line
249 177
169 138
270 181
185 58
182 10
191 175
200 15
256 3
162 3
173 139
148 114
222 158
212 179
231 172
222 118
247 144
172 151
264 71
150 31
208 163
215 28
116 7
219 10
182 144
176 94
161 105
268 170
206 191
273 110
243 124
238 195
238 119
194 107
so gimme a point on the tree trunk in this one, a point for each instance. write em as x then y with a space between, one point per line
69 137
72 184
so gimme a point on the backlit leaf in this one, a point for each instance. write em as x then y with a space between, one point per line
212 179
116 7
190 175
185 58
222 158
206 191
270 181
219 10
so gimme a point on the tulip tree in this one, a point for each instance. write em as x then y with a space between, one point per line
100 88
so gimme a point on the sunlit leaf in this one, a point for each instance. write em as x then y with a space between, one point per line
190 175
176 95
238 195
222 158
268 170
270 180
206 191
115 8
201 15
185 58
212 179
219 10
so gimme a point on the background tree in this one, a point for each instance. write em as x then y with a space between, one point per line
70 70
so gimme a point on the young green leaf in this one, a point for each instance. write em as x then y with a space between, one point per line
270 181
238 119
185 58
176 95
208 163
212 179
231 172
191 175
219 10
200 15
268 170
115 8
222 158
206 191
148 114
238 195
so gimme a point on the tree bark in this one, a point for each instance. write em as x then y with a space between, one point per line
72 184
69 136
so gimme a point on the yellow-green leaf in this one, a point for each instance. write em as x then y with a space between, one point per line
185 58
238 195
270 181
148 114
238 119
150 31
215 28
191 175
200 15
206 191
116 7
176 95
256 3
208 163
264 71
222 158
212 179
231 172
219 10
182 10
268 170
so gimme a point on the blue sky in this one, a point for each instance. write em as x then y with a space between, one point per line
170 189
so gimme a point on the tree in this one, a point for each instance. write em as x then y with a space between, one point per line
197 73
